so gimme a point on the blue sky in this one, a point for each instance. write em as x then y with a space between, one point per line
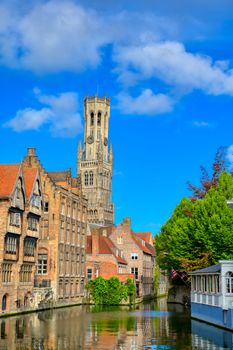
167 67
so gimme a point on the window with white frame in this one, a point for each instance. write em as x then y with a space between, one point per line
134 270
42 264
229 282
120 269
134 256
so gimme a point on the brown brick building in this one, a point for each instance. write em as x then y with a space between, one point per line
20 212
118 251
139 253
104 258
62 243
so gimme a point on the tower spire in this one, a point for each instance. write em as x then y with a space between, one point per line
95 161
79 157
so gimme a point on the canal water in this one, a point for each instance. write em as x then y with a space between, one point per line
148 326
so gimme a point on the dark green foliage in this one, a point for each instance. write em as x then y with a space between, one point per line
131 290
200 232
110 292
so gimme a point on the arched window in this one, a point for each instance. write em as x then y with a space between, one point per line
99 119
4 302
92 118
91 179
86 178
229 282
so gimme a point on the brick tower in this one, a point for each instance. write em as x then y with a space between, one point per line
94 161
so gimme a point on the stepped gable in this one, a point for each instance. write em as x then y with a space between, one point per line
8 176
30 175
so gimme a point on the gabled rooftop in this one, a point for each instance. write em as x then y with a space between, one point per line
146 236
8 176
30 175
207 270
106 246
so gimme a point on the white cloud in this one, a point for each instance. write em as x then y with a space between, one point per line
29 119
229 155
57 111
51 36
172 64
201 124
146 103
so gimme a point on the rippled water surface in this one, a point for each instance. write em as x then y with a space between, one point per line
148 326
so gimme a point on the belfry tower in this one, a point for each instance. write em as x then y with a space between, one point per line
95 160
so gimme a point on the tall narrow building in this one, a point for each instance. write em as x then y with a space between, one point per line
95 160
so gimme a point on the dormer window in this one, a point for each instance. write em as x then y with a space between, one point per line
14 219
36 200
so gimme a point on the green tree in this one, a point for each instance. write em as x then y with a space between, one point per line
131 290
110 292
98 290
199 232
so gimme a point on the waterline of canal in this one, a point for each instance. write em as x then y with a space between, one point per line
153 325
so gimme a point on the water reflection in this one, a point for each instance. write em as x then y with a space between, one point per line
149 326
209 337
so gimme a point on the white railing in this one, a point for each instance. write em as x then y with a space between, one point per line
206 299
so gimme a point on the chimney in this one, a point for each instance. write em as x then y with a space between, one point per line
127 222
31 152
95 242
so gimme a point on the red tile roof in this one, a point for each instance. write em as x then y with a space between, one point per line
146 236
29 175
106 246
8 176
140 244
